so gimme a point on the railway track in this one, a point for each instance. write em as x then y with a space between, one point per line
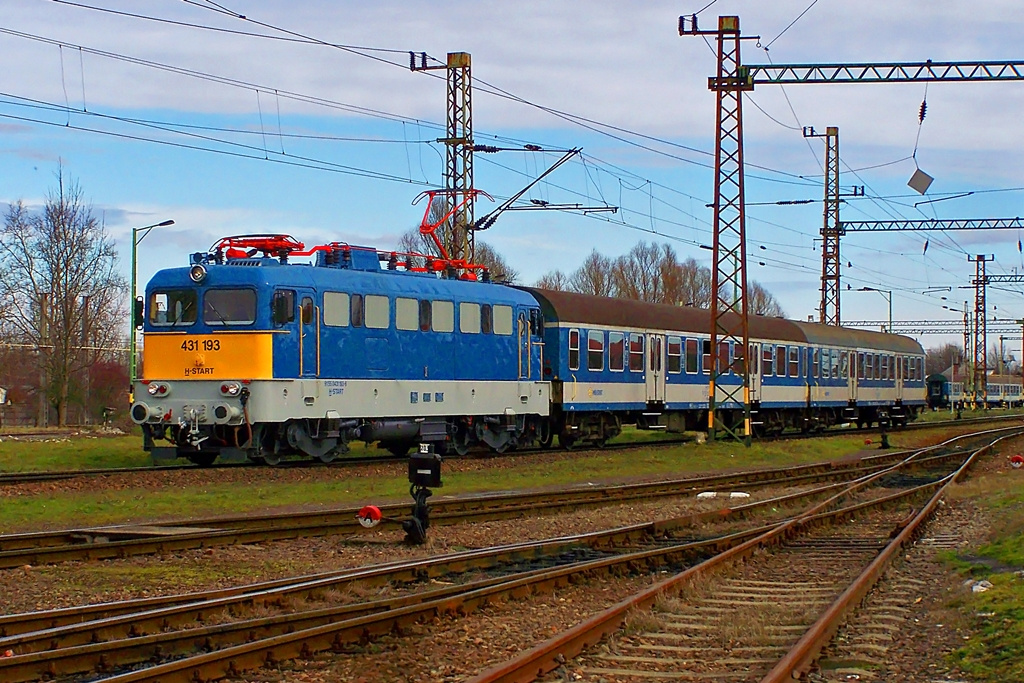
244 628
15 478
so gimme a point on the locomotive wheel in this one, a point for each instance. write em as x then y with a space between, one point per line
202 459
271 458
545 435
329 456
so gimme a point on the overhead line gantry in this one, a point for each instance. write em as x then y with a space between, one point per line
729 316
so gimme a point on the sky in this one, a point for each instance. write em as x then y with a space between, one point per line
304 118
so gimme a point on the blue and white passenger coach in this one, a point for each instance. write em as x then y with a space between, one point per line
263 357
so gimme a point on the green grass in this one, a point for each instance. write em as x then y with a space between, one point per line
940 415
110 506
997 653
76 453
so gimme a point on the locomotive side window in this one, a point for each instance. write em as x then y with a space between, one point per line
794 361
378 311
675 355
307 311
407 313
503 321
486 319
173 307
444 316
357 310
336 309
636 352
469 318
691 356
229 307
425 315
616 351
282 307
595 350
574 349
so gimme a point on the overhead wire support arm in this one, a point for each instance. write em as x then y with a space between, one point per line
884 72
934 224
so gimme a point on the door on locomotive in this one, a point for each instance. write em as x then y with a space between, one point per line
655 377
309 334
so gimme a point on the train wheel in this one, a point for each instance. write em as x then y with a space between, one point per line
203 459
329 456
545 436
567 442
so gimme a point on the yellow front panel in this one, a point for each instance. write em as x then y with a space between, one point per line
208 356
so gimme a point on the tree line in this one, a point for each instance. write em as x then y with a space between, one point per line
63 306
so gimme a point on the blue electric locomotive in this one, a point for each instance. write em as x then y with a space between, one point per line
261 357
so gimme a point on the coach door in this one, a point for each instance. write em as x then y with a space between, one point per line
655 377
900 360
309 334
754 358
853 371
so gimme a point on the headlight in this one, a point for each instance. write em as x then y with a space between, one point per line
158 389
197 273
230 389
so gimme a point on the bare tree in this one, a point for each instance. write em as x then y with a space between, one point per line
61 282
761 302
415 242
941 358
594 276
555 280
636 275
687 283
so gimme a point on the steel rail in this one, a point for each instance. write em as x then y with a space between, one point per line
549 655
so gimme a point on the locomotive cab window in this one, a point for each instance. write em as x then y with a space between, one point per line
173 307
282 307
336 309
229 307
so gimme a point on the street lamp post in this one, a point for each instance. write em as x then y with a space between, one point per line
887 293
131 309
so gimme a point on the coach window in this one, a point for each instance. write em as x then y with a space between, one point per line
574 349
860 366
675 355
691 356
378 312
444 316
825 367
885 367
595 350
705 356
723 358
229 307
815 364
616 351
407 313
878 365
469 318
636 352
780 360
337 309
486 319
173 307
794 361
869 369
503 321
767 361
844 364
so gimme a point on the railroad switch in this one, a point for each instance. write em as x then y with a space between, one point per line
424 472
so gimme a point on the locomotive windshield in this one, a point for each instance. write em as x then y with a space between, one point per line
229 307
173 307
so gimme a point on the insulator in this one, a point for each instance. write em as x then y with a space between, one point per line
532 148
924 110
925 247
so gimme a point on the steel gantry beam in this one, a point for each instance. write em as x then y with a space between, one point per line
922 327
933 224
885 72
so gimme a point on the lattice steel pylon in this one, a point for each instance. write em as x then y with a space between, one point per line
980 341
831 230
729 301
458 141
